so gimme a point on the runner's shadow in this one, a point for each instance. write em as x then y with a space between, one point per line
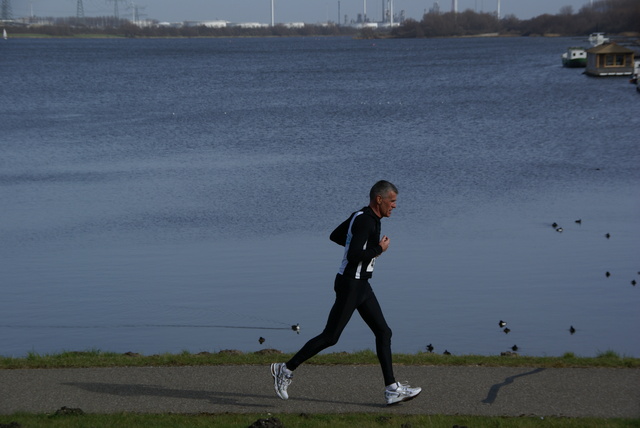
493 391
215 398
124 390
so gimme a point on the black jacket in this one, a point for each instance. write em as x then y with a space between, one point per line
360 235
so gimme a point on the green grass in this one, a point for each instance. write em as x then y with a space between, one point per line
97 358
306 421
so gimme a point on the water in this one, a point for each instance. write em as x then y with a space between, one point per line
169 195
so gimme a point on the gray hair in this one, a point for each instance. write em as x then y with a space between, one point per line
382 188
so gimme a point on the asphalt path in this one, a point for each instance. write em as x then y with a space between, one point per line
490 391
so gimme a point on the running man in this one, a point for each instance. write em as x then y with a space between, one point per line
360 235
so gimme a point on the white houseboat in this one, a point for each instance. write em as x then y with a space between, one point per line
575 57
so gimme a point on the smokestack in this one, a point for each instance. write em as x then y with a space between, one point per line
273 15
498 11
454 6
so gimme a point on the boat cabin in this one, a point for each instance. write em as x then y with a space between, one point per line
575 57
596 39
610 59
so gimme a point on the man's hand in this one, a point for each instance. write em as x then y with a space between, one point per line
384 243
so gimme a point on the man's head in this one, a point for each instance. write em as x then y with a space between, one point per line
382 198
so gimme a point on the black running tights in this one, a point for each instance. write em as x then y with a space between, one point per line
351 294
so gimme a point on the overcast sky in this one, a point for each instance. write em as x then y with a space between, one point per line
309 11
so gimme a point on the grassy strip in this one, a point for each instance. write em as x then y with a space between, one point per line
304 420
96 358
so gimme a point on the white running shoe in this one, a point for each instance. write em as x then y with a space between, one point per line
282 379
403 392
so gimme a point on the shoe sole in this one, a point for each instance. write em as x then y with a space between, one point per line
275 381
404 399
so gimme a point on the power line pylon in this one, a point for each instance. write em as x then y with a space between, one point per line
136 15
80 11
5 10
116 14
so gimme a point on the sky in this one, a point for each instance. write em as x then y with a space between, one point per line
308 11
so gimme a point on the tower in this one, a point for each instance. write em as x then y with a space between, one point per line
498 10
5 10
135 13
116 14
80 11
454 6
273 13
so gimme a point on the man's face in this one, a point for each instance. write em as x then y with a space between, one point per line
387 204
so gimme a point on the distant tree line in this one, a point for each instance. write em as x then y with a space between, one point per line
609 16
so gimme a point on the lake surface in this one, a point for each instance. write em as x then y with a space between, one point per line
169 195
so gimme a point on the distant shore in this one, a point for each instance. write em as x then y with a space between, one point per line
628 37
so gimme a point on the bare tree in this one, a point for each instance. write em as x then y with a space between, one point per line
566 10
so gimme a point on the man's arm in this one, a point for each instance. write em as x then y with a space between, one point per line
360 231
339 235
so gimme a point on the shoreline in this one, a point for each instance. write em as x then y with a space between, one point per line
631 37
97 358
